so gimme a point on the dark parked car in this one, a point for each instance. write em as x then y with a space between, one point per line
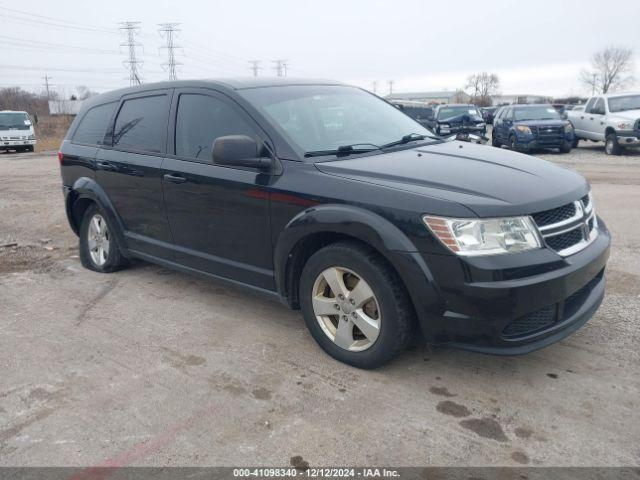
457 119
488 113
530 127
337 203
420 112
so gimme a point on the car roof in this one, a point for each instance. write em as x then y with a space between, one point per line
531 105
229 84
457 105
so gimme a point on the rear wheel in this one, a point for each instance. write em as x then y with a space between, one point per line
611 146
98 249
355 305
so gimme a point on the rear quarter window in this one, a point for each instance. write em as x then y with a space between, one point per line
93 125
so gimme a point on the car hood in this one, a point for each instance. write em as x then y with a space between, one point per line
627 114
489 181
541 123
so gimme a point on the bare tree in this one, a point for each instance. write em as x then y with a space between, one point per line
611 69
84 92
483 86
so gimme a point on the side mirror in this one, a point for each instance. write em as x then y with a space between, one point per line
238 151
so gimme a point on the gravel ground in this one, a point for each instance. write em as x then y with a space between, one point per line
152 367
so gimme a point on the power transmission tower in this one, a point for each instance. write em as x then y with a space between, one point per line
255 66
391 82
131 29
46 85
280 67
169 31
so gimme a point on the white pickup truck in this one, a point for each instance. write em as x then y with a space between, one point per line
612 118
16 131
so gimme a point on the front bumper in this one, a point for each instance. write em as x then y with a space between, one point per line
533 142
6 144
514 303
629 139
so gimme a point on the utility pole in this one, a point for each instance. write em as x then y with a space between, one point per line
391 82
46 85
593 84
374 84
131 29
255 66
280 67
169 31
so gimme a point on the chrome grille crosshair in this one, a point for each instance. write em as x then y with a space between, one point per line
569 228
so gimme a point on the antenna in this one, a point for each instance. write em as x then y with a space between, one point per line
131 29
169 31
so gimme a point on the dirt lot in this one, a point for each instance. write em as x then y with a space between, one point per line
152 367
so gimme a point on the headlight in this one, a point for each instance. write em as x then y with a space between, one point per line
444 125
626 125
480 124
467 236
31 137
523 129
568 128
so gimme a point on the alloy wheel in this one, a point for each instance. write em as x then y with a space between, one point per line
346 309
98 240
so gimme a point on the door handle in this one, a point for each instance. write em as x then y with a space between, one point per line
104 165
170 177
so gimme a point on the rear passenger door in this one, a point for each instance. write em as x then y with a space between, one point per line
129 169
219 215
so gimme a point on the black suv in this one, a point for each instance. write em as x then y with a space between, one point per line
339 204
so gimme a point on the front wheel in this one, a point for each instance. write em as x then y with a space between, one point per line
611 146
494 140
355 305
98 249
566 148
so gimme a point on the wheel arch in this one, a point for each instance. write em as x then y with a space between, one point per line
315 228
85 192
608 131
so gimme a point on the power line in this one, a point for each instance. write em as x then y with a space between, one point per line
168 31
61 21
255 66
131 29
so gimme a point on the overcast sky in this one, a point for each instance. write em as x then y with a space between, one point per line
534 46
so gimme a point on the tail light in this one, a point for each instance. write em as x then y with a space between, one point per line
60 157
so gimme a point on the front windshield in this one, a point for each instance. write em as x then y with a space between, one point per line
456 111
628 102
14 120
318 118
543 112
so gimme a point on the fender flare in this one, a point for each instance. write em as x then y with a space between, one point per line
360 224
88 188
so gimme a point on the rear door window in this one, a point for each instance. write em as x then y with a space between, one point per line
93 125
141 124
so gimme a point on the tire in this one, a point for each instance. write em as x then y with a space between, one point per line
512 143
566 148
611 146
93 254
30 148
390 308
494 140
576 141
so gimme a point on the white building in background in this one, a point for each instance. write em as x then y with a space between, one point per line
445 97
520 99
64 107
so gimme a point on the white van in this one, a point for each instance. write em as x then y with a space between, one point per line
16 131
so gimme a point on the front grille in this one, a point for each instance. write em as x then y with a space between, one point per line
585 201
532 322
548 316
565 240
555 215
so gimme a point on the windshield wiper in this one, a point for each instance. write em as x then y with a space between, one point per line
412 137
343 150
